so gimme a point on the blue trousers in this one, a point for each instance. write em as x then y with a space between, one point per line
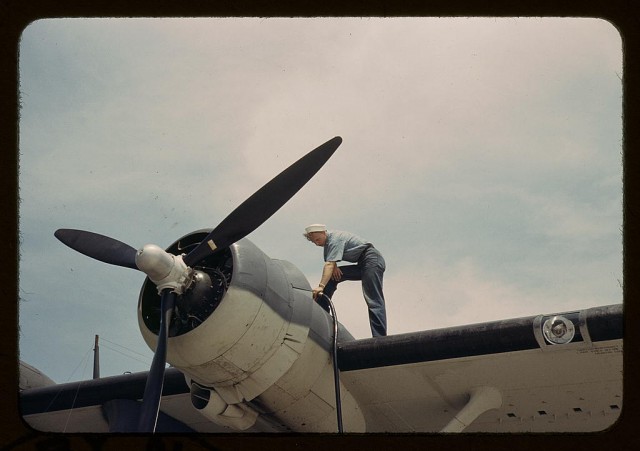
370 270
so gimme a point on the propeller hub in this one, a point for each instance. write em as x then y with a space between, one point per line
164 269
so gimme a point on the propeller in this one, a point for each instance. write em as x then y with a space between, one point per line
169 271
264 202
100 247
155 378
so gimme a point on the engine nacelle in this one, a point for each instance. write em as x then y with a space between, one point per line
247 329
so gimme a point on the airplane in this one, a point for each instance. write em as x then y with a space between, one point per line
251 351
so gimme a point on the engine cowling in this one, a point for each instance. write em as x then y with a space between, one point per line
247 329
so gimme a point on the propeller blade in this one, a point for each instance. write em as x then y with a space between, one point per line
264 202
100 247
155 379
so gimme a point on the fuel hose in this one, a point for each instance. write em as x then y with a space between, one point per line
336 371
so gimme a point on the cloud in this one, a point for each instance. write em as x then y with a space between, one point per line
436 295
433 295
481 156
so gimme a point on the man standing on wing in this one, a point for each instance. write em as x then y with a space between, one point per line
369 268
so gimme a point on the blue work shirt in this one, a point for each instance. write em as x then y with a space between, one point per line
343 246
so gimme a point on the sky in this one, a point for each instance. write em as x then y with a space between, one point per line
481 156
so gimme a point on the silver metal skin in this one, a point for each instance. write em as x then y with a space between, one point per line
252 348
481 400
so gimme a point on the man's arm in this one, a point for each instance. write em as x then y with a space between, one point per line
327 272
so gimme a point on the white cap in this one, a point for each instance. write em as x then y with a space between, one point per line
315 228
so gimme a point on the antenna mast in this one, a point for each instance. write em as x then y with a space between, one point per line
96 360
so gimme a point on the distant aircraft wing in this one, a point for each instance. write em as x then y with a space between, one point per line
78 406
502 376
111 404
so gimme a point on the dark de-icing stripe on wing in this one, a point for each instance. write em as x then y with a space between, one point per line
603 323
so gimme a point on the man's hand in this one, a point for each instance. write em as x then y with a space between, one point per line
317 291
337 274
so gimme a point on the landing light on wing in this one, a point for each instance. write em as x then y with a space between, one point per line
558 330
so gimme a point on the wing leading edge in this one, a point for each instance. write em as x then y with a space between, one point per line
502 376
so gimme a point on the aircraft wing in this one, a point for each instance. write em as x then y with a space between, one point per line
111 404
502 376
